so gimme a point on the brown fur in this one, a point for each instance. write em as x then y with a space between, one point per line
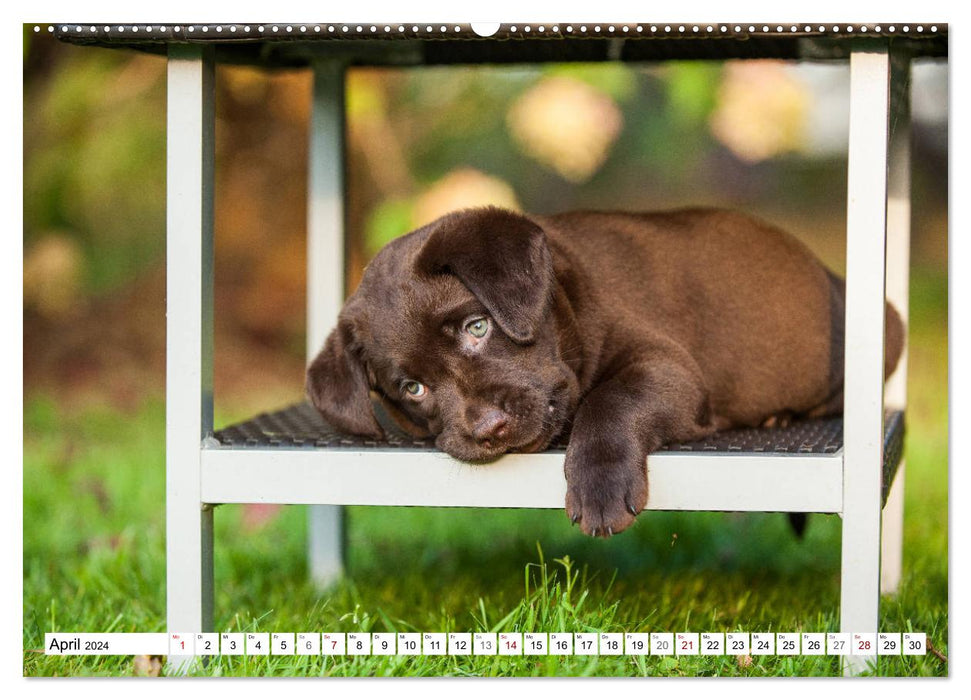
626 330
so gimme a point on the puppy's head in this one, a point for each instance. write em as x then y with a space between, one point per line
452 329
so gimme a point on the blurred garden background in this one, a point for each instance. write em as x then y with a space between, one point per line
765 137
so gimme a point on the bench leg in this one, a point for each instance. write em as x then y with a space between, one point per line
325 545
188 380
863 408
325 280
898 280
892 538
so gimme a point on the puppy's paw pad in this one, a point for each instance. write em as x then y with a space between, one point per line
605 507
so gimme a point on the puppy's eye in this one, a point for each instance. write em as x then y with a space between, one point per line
416 389
477 328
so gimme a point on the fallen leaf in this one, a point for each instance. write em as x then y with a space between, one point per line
257 515
148 666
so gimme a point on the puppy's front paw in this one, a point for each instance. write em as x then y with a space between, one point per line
604 496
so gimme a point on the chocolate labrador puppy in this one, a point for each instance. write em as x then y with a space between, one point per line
498 332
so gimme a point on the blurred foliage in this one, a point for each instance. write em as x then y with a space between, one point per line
94 163
420 142
566 125
616 80
689 89
761 111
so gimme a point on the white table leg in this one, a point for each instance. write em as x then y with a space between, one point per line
189 331
863 407
325 280
898 293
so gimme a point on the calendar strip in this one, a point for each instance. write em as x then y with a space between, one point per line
488 644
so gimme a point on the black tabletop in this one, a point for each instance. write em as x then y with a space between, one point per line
408 43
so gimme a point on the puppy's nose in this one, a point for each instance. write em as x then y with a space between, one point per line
491 426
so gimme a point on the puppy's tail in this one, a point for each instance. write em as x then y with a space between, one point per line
894 337
798 522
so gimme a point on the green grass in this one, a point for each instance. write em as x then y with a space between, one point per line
94 560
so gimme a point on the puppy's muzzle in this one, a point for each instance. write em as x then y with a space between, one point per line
494 425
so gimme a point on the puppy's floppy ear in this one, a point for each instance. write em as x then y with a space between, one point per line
337 384
502 258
